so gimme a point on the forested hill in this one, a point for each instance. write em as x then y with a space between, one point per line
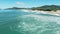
47 8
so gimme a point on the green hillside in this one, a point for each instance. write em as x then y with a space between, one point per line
47 8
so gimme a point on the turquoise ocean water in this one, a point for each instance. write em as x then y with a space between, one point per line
22 22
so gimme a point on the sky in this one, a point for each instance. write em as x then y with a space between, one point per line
27 3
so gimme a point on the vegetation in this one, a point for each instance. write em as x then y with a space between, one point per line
16 8
44 8
47 8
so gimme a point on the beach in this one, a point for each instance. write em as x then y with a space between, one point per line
57 13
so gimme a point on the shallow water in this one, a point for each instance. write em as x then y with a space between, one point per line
22 22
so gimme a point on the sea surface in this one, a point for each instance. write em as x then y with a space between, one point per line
28 22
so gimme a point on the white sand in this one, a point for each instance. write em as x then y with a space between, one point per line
57 13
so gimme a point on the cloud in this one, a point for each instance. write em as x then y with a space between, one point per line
19 3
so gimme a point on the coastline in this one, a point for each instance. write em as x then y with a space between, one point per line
57 13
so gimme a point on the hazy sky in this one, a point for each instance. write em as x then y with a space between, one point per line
27 3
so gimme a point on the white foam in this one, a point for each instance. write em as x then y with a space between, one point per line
58 22
43 12
57 32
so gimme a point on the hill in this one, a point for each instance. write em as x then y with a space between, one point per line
15 8
47 8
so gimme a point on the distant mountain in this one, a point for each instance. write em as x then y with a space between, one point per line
15 8
47 8
0 9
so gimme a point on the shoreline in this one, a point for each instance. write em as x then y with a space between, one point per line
57 13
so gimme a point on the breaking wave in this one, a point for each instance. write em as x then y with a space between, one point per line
24 22
35 24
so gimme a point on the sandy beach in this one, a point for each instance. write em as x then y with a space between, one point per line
57 13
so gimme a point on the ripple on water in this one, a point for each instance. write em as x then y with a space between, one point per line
35 24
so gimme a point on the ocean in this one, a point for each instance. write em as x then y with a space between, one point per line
28 22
